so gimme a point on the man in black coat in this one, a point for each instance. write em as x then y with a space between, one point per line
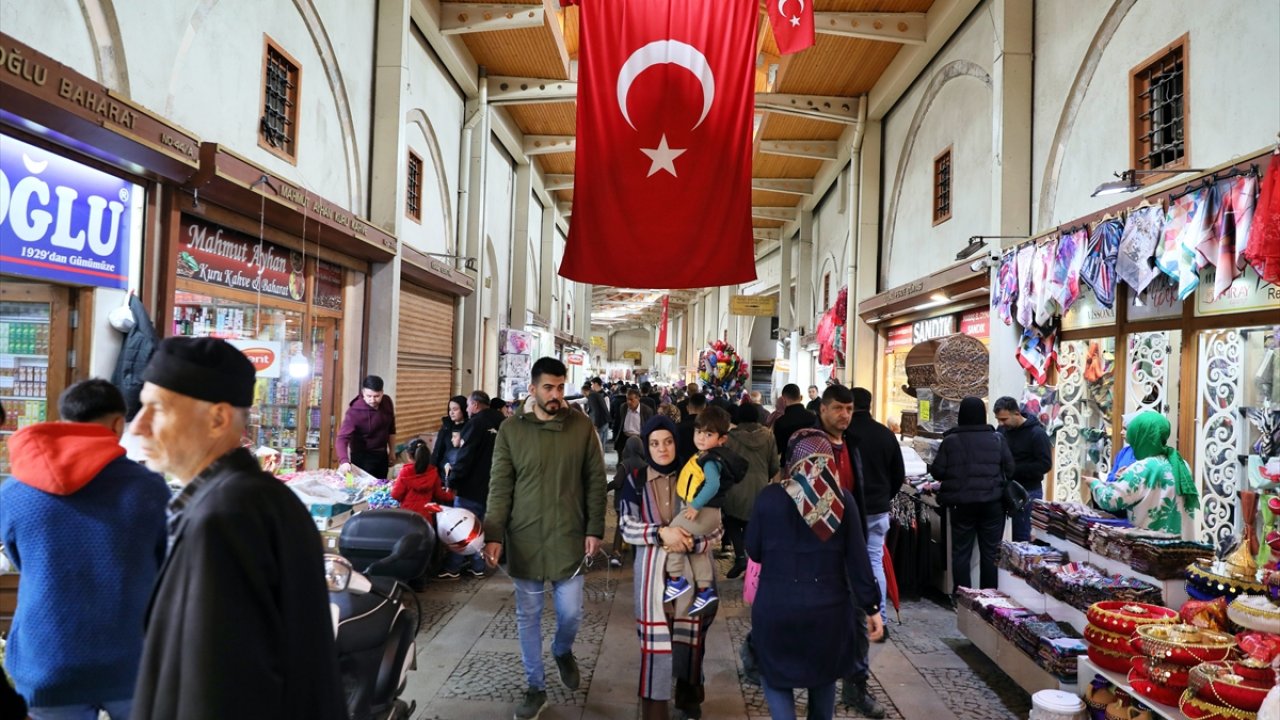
598 409
469 479
630 420
791 420
238 625
1032 456
685 448
884 475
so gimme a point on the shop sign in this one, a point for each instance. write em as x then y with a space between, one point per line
1247 292
926 330
1159 300
264 354
632 355
328 290
220 256
597 341
575 359
754 305
1087 312
976 324
61 220
899 338
669 351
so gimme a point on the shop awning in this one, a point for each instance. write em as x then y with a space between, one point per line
230 180
42 96
435 274
948 287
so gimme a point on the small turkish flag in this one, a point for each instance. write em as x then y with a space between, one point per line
662 184
792 22
662 325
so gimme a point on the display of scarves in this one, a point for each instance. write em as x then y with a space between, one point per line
1233 201
1099 270
1263 248
1138 245
1187 223
1064 278
1005 291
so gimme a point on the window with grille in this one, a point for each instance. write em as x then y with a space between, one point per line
826 290
1159 107
413 188
278 127
942 187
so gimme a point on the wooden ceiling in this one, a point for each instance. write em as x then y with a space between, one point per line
836 65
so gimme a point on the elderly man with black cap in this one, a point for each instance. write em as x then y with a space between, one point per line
238 625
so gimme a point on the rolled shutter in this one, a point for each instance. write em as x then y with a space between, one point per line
424 361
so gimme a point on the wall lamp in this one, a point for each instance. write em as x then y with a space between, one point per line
467 262
977 242
1127 181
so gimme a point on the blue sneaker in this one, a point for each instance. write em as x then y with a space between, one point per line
705 602
675 588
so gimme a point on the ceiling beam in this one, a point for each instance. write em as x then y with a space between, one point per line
831 108
943 19
566 208
551 183
508 90
785 214
907 28
458 18
812 149
792 186
547 144
767 233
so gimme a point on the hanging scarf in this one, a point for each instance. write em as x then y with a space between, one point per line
813 484
658 422
1148 434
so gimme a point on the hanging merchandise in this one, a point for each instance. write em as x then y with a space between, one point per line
1041 285
1186 224
1138 245
1026 313
1099 271
1263 248
1064 279
1233 200
721 366
1037 351
1005 292
831 331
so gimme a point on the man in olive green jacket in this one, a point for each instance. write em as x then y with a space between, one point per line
546 503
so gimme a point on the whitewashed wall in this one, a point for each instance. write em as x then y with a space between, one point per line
950 104
830 247
499 209
533 246
1081 138
433 130
638 339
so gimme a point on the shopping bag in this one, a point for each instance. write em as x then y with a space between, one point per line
751 581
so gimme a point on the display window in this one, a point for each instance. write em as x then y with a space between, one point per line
1082 429
32 332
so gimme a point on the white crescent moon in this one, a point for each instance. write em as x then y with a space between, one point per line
667 51
783 3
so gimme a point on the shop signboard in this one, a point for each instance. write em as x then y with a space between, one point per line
63 221
264 354
632 355
1087 312
575 359
976 324
926 330
1247 292
1159 300
221 256
328 290
669 351
755 305
899 339
597 341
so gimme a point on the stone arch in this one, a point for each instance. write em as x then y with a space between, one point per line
951 71
108 45
1075 98
417 117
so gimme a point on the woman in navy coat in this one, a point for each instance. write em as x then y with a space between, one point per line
815 581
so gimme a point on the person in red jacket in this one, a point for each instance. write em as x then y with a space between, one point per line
418 484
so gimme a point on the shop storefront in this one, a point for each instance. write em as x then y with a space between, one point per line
82 171
425 368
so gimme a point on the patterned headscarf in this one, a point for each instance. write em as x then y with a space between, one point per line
813 483
1148 435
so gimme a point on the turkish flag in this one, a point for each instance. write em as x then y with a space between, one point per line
662 185
793 30
662 325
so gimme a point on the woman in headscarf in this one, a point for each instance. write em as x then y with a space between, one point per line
815 580
672 644
1157 490
444 451
971 465
633 459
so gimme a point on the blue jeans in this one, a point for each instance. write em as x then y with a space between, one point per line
455 561
877 528
117 709
567 595
782 702
1022 522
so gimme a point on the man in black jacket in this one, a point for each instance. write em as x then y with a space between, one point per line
685 448
1032 456
598 409
632 417
469 478
791 420
883 476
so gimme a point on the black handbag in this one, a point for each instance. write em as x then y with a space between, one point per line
1014 498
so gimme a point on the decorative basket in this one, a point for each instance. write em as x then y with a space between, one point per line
1162 673
1183 644
1115 642
1119 616
1254 612
954 366
1110 659
1151 690
1219 684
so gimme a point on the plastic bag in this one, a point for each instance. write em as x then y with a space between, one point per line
751 581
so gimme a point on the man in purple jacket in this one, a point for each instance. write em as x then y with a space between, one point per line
367 438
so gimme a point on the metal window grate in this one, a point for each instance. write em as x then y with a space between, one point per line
280 97
1160 107
413 190
942 187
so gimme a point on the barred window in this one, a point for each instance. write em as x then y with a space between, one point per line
942 187
278 128
1159 109
413 188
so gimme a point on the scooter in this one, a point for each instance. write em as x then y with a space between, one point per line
375 621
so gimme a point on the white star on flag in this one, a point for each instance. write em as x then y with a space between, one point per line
662 157
795 20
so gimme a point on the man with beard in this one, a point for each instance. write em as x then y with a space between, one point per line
367 438
469 479
547 506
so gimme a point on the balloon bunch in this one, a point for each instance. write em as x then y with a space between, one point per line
721 366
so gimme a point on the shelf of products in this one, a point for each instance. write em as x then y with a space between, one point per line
24 368
1019 666
1175 591
1087 670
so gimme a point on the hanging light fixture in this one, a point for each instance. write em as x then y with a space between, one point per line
1128 180
299 366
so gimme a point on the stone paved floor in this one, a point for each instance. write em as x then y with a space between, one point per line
469 659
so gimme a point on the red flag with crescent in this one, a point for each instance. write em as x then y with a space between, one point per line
792 22
662 325
662 184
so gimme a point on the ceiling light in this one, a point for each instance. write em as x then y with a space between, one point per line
940 297
1127 181
976 243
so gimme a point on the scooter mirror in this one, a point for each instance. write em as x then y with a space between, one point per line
337 572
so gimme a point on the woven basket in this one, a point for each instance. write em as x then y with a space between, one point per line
955 366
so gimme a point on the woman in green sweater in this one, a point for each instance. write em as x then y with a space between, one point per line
1157 490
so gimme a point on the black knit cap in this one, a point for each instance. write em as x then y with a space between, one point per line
209 369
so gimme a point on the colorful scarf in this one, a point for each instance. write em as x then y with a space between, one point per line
814 485
1148 434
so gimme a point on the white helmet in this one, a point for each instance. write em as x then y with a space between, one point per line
459 530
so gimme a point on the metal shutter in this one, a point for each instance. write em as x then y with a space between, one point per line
424 361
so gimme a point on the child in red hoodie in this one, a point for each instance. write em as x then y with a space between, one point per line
418 484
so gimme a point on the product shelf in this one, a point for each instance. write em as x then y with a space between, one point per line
1010 658
1087 670
1174 591
1021 591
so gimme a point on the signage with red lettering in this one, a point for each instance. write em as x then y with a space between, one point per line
264 354
221 256
899 338
976 323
